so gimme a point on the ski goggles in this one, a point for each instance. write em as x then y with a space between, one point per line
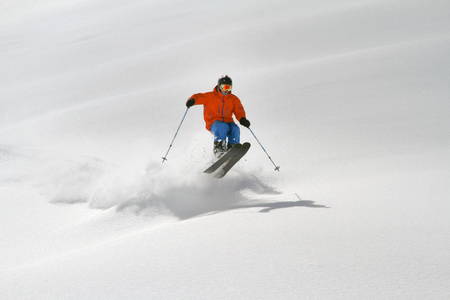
225 87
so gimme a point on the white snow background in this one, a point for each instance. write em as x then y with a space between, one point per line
349 97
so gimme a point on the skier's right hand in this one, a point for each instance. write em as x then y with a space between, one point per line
190 102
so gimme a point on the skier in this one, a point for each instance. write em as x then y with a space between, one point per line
218 107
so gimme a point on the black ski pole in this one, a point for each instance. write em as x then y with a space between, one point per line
165 157
277 168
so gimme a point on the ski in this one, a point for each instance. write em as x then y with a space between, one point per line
223 159
232 161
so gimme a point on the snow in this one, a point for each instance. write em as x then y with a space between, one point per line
349 97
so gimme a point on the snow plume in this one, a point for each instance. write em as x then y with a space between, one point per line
162 188
133 187
147 187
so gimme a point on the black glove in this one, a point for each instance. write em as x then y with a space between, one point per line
190 102
244 122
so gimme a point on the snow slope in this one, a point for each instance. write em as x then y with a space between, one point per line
349 97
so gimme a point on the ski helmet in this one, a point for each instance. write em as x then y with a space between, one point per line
224 80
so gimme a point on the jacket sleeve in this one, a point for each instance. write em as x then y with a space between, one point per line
239 110
200 98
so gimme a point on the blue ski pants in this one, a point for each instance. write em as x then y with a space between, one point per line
222 131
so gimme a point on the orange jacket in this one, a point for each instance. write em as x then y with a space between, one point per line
218 107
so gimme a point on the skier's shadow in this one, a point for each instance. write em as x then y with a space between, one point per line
191 209
268 207
187 203
195 205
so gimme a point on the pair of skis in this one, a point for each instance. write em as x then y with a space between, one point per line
226 162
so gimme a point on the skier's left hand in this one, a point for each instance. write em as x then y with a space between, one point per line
244 122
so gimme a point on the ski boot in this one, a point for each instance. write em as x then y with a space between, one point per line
219 149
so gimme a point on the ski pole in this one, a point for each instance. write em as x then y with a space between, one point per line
165 157
277 168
